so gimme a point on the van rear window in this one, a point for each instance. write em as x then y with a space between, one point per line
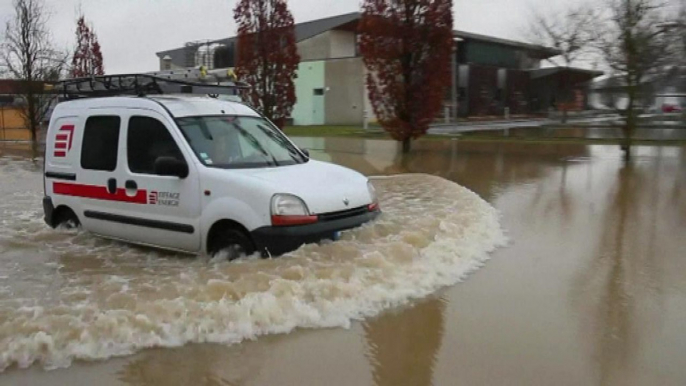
100 143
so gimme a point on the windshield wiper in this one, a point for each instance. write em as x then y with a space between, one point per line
289 147
256 144
204 130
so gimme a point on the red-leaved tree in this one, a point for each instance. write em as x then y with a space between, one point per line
87 59
267 56
406 46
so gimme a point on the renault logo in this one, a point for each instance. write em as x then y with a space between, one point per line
346 201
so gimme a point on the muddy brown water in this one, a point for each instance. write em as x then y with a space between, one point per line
590 291
677 133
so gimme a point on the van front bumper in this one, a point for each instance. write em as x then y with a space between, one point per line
274 241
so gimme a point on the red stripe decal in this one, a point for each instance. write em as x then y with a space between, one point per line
99 193
60 154
60 145
61 137
70 129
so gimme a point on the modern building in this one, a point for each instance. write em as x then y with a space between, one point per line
492 75
661 91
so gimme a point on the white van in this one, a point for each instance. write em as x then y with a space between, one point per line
193 174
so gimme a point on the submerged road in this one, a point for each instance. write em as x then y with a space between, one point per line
590 290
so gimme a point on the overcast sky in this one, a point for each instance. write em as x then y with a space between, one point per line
132 31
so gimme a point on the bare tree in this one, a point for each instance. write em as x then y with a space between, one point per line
635 47
29 57
570 32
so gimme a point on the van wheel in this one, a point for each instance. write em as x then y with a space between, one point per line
232 243
65 218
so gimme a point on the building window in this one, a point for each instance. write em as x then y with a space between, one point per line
147 140
498 95
100 143
319 91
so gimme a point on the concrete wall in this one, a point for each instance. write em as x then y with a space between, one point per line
345 95
371 117
342 44
328 63
310 77
315 48
332 44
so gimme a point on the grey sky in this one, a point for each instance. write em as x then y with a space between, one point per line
131 31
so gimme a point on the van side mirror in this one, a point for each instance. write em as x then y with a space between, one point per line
306 152
170 166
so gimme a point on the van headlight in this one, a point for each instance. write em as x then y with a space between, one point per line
288 209
375 199
288 205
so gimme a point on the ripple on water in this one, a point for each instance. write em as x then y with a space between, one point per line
69 295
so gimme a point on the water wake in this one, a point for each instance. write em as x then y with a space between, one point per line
66 295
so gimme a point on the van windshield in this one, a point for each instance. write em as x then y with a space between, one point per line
233 142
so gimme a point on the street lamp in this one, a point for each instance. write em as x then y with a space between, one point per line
453 89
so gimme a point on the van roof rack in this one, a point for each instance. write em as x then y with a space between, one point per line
191 81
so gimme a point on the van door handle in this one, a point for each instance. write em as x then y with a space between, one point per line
112 186
131 185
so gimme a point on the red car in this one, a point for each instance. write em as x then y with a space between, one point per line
669 108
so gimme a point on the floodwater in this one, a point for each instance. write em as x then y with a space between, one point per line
590 289
652 134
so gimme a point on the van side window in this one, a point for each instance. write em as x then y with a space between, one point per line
100 143
148 139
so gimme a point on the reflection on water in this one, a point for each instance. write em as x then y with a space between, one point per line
206 365
619 229
486 168
670 134
416 331
622 293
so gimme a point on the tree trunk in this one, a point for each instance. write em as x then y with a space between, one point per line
34 150
630 126
407 145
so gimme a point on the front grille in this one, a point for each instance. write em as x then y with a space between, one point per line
343 214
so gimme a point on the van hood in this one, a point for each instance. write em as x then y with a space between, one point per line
323 186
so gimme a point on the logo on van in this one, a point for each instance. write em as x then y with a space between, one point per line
164 198
63 140
152 198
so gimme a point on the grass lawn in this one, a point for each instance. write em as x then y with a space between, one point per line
375 132
335 131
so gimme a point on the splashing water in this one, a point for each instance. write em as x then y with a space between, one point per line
68 295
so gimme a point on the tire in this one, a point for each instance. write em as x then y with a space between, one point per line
67 219
232 242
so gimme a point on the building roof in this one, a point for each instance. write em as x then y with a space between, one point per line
306 30
676 78
543 52
15 86
8 86
303 31
543 72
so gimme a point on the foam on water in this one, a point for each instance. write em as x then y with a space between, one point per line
66 295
